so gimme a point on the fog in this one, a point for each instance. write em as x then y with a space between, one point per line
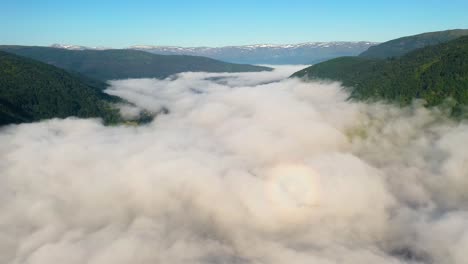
243 168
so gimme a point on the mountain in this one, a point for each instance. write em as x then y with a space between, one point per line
76 47
124 63
305 53
401 46
32 90
433 73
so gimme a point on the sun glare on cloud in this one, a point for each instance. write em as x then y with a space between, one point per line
293 191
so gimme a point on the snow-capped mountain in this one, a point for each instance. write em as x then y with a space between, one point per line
76 47
303 53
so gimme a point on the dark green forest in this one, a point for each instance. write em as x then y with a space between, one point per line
124 63
401 46
31 91
435 74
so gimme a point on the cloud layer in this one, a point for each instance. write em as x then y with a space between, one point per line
244 168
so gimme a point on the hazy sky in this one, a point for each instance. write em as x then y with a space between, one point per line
118 23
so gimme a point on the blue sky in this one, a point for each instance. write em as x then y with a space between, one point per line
218 23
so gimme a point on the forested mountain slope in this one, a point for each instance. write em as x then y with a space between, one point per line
32 90
434 74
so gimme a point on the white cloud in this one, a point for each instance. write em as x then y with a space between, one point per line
245 168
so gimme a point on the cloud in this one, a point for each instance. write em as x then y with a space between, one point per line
244 168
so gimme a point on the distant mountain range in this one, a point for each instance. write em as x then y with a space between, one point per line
77 47
66 80
435 72
125 63
304 53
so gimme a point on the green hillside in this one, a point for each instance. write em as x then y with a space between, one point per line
31 90
121 64
434 74
399 47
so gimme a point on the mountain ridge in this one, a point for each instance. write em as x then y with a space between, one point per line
434 73
400 46
300 53
258 45
123 63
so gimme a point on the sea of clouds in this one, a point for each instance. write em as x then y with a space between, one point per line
242 168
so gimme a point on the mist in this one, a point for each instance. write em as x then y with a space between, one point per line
241 168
